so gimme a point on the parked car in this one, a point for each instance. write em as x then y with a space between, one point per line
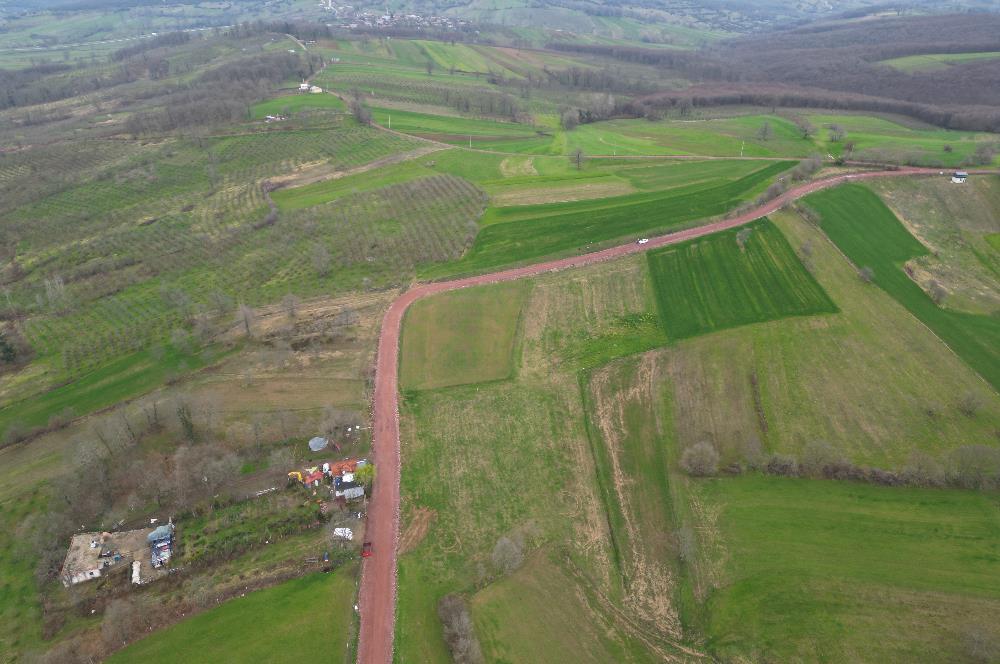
366 550
643 240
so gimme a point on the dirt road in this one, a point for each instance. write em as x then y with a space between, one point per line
378 577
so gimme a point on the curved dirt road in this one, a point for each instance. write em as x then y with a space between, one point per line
378 576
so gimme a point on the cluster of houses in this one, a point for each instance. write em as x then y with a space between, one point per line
356 17
338 474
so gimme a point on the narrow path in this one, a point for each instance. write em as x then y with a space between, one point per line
378 577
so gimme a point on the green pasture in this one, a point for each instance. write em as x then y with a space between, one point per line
713 283
296 103
517 234
836 571
937 61
871 236
451 129
267 625
466 336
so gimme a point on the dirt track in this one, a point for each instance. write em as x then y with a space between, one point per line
378 578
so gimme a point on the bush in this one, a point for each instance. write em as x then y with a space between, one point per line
821 459
507 555
782 464
700 460
459 633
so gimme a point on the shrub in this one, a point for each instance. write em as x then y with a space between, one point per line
459 632
821 459
922 470
782 464
700 460
507 555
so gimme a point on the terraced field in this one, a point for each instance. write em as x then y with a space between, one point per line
742 276
937 61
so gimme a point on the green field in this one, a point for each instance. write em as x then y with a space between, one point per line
466 336
871 236
518 234
272 625
713 283
936 61
832 571
296 103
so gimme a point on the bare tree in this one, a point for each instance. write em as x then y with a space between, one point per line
936 291
969 404
507 555
578 158
765 133
820 458
321 260
742 236
245 316
123 621
291 305
221 303
459 632
700 459
866 274
837 133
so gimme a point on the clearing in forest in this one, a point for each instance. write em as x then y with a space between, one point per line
745 275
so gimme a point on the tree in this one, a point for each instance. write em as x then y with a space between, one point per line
291 305
765 132
245 316
123 621
820 458
578 158
837 133
569 119
321 260
936 291
969 404
365 475
221 302
459 632
507 555
700 460
806 129
866 274
429 66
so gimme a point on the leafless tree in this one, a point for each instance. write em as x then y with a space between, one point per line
459 632
969 404
765 133
245 316
866 274
837 133
123 620
819 458
291 305
321 260
578 158
507 555
936 291
221 302
742 236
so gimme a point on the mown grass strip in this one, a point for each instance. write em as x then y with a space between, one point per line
713 283
870 235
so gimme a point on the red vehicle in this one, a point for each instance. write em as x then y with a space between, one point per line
366 550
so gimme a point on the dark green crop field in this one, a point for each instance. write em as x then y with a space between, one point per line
867 231
522 233
713 283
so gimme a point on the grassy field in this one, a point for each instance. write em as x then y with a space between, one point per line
296 103
315 609
829 571
466 336
955 222
936 61
871 236
714 283
517 234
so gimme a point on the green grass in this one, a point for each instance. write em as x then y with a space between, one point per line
461 337
123 378
296 103
712 283
994 241
937 61
273 625
522 233
836 571
871 236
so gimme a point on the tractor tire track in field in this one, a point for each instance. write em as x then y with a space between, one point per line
377 595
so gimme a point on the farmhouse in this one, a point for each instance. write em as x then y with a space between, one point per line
303 87
959 177
315 89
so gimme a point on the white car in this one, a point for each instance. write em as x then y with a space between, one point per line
642 240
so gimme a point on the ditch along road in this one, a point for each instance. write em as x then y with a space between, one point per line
377 594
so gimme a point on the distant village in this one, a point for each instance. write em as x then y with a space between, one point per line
354 18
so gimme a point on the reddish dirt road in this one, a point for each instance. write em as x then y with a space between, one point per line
378 576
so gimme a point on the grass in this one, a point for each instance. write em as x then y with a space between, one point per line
936 61
522 233
124 378
871 236
313 609
296 103
833 571
465 336
713 283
